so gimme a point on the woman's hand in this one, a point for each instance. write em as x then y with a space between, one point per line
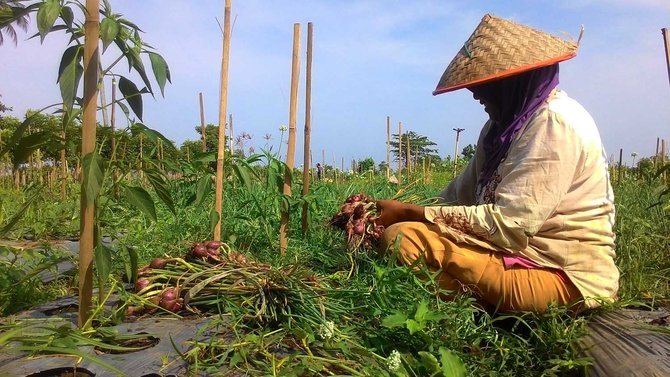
393 211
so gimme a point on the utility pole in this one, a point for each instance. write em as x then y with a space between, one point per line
458 135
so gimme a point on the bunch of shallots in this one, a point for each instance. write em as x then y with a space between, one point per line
357 217
156 281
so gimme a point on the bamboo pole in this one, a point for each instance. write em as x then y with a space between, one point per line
202 123
87 222
308 127
666 40
388 147
619 172
29 169
663 151
141 151
112 121
112 124
103 98
408 157
399 153
63 168
334 168
658 143
223 108
232 134
290 150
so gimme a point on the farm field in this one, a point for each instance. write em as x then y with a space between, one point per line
325 308
124 253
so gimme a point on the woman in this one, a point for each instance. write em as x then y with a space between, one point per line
529 222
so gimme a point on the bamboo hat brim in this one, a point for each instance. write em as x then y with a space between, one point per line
500 48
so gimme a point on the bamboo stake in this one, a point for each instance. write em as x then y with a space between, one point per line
399 153
388 147
620 167
159 152
112 122
658 142
666 40
87 223
408 157
223 108
103 98
230 138
141 150
63 168
308 127
202 123
29 169
334 168
290 150
38 155
665 175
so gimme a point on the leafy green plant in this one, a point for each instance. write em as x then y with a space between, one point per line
20 277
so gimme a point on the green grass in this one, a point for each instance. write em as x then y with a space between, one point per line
373 311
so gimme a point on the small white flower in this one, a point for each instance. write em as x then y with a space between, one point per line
283 128
327 330
393 361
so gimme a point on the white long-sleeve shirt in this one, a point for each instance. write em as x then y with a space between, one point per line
550 200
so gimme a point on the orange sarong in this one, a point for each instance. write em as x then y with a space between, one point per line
465 267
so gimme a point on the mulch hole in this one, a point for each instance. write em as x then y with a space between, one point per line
63 372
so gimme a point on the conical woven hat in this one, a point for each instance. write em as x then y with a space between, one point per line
500 48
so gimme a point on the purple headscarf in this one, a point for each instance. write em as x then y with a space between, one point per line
516 98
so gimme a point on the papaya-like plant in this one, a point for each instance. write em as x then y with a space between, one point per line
121 39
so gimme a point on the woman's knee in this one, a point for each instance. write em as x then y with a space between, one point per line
390 236
409 239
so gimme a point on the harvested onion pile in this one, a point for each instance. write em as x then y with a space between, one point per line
211 277
357 217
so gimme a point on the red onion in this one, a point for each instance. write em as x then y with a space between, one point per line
134 311
199 251
158 263
212 244
170 300
141 283
359 226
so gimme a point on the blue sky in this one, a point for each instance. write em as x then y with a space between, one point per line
372 59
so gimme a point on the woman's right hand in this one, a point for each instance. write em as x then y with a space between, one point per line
392 211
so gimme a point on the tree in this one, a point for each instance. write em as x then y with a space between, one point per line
366 164
4 108
469 151
212 137
12 11
419 145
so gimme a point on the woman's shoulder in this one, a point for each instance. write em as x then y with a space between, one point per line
566 107
570 114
